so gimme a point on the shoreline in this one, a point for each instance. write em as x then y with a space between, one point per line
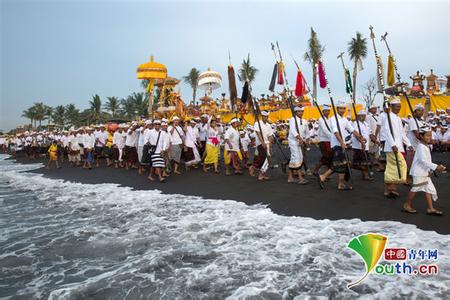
365 202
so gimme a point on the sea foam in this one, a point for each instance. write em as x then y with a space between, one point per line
71 240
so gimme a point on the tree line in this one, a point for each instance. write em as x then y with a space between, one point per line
130 108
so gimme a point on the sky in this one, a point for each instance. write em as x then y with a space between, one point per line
62 52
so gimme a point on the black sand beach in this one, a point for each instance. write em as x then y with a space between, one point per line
365 202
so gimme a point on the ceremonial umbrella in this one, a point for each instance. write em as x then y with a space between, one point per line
209 81
151 71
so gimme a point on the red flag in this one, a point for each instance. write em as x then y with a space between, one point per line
322 79
280 73
300 85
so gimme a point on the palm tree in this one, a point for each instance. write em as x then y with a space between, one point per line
357 50
96 108
41 112
313 55
48 113
112 105
140 103
247 72
192 80
59 115
30 114
72 114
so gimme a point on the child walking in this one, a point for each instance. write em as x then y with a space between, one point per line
53 153
420 172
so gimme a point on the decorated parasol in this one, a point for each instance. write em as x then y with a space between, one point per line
209 81
151 71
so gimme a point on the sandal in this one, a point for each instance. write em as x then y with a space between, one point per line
409 210
303 182
319 181
434 212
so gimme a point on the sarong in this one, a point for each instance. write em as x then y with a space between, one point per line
212 154
359 159
158 161
232 157
424 184
98 151
327 154
107 152
296 160
259 158
175 153
391 172
89 155
191 156
145 156
339 162
53 155
115 153
131 155
139 152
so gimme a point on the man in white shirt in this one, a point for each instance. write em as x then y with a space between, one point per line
118 146
361 151
191 143
88 145
142 147
232 154
158 141
324 136
203 133
340 164
131 156
297 137
443 138
263 142
393 146
176 138
100 142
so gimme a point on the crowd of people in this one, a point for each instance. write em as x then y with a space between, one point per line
378 141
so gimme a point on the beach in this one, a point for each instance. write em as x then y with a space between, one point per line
365 202
66 234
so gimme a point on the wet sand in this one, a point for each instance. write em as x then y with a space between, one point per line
365 202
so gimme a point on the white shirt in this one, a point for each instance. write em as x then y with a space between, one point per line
232 135
161 143
74 142
131 139
381 120
118 140
365 132
422 164
399 134
88 141
442 136
202 131
267 131
191 136
372 121
412 126
213 136
344 125
245 142
303 129
176 137
324 134
102 137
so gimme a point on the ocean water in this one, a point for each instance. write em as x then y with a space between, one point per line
62 240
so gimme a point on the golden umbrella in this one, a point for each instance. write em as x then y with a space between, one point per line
151 71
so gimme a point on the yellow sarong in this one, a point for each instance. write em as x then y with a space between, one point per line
227 157
212 154
53 152
391 172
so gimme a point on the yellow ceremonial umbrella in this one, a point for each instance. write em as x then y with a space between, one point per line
151 71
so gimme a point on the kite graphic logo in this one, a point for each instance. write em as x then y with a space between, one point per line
370 247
